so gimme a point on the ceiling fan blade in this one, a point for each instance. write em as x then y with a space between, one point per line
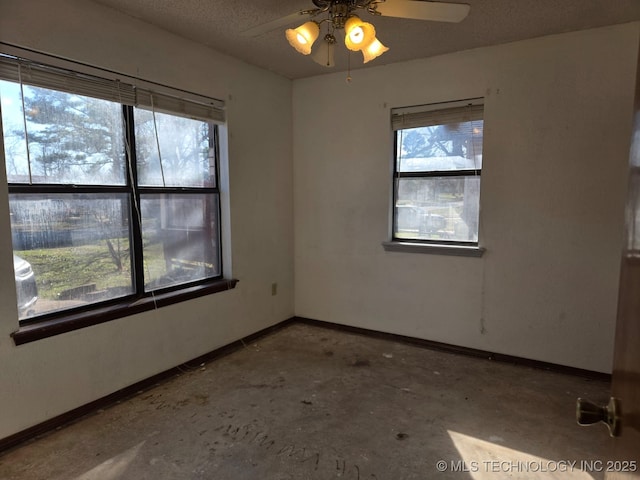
277 23
424 10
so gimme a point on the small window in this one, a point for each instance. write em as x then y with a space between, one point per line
438 164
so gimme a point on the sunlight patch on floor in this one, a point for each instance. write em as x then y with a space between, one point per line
114 467
483 460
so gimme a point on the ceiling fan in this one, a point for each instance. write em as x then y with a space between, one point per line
359 35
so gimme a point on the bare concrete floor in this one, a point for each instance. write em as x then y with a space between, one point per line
312 403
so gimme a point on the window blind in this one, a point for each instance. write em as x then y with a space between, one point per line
437 114
201 109
142 94
37 75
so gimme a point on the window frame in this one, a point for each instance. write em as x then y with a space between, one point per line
430 246
207 110
141 190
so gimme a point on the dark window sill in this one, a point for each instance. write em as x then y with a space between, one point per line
74 321
434 249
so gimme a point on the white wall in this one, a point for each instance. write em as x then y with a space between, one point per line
45 378
557 127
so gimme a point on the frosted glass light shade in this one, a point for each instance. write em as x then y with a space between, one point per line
302 38
324 53
373 50
358 34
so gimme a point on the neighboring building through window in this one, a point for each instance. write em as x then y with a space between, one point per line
438 163
113 190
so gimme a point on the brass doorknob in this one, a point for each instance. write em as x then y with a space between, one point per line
588 413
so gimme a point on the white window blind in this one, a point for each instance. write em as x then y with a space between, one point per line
204 109
131 92
437 114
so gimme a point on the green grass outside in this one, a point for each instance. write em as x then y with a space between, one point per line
59 269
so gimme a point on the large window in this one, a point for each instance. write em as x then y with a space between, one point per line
438 162
113 189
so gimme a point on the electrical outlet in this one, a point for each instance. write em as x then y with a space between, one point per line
274 289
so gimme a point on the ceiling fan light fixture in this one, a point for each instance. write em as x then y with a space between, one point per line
340 16
373 50
358 34
302 38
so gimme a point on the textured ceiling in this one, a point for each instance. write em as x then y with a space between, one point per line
218 23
